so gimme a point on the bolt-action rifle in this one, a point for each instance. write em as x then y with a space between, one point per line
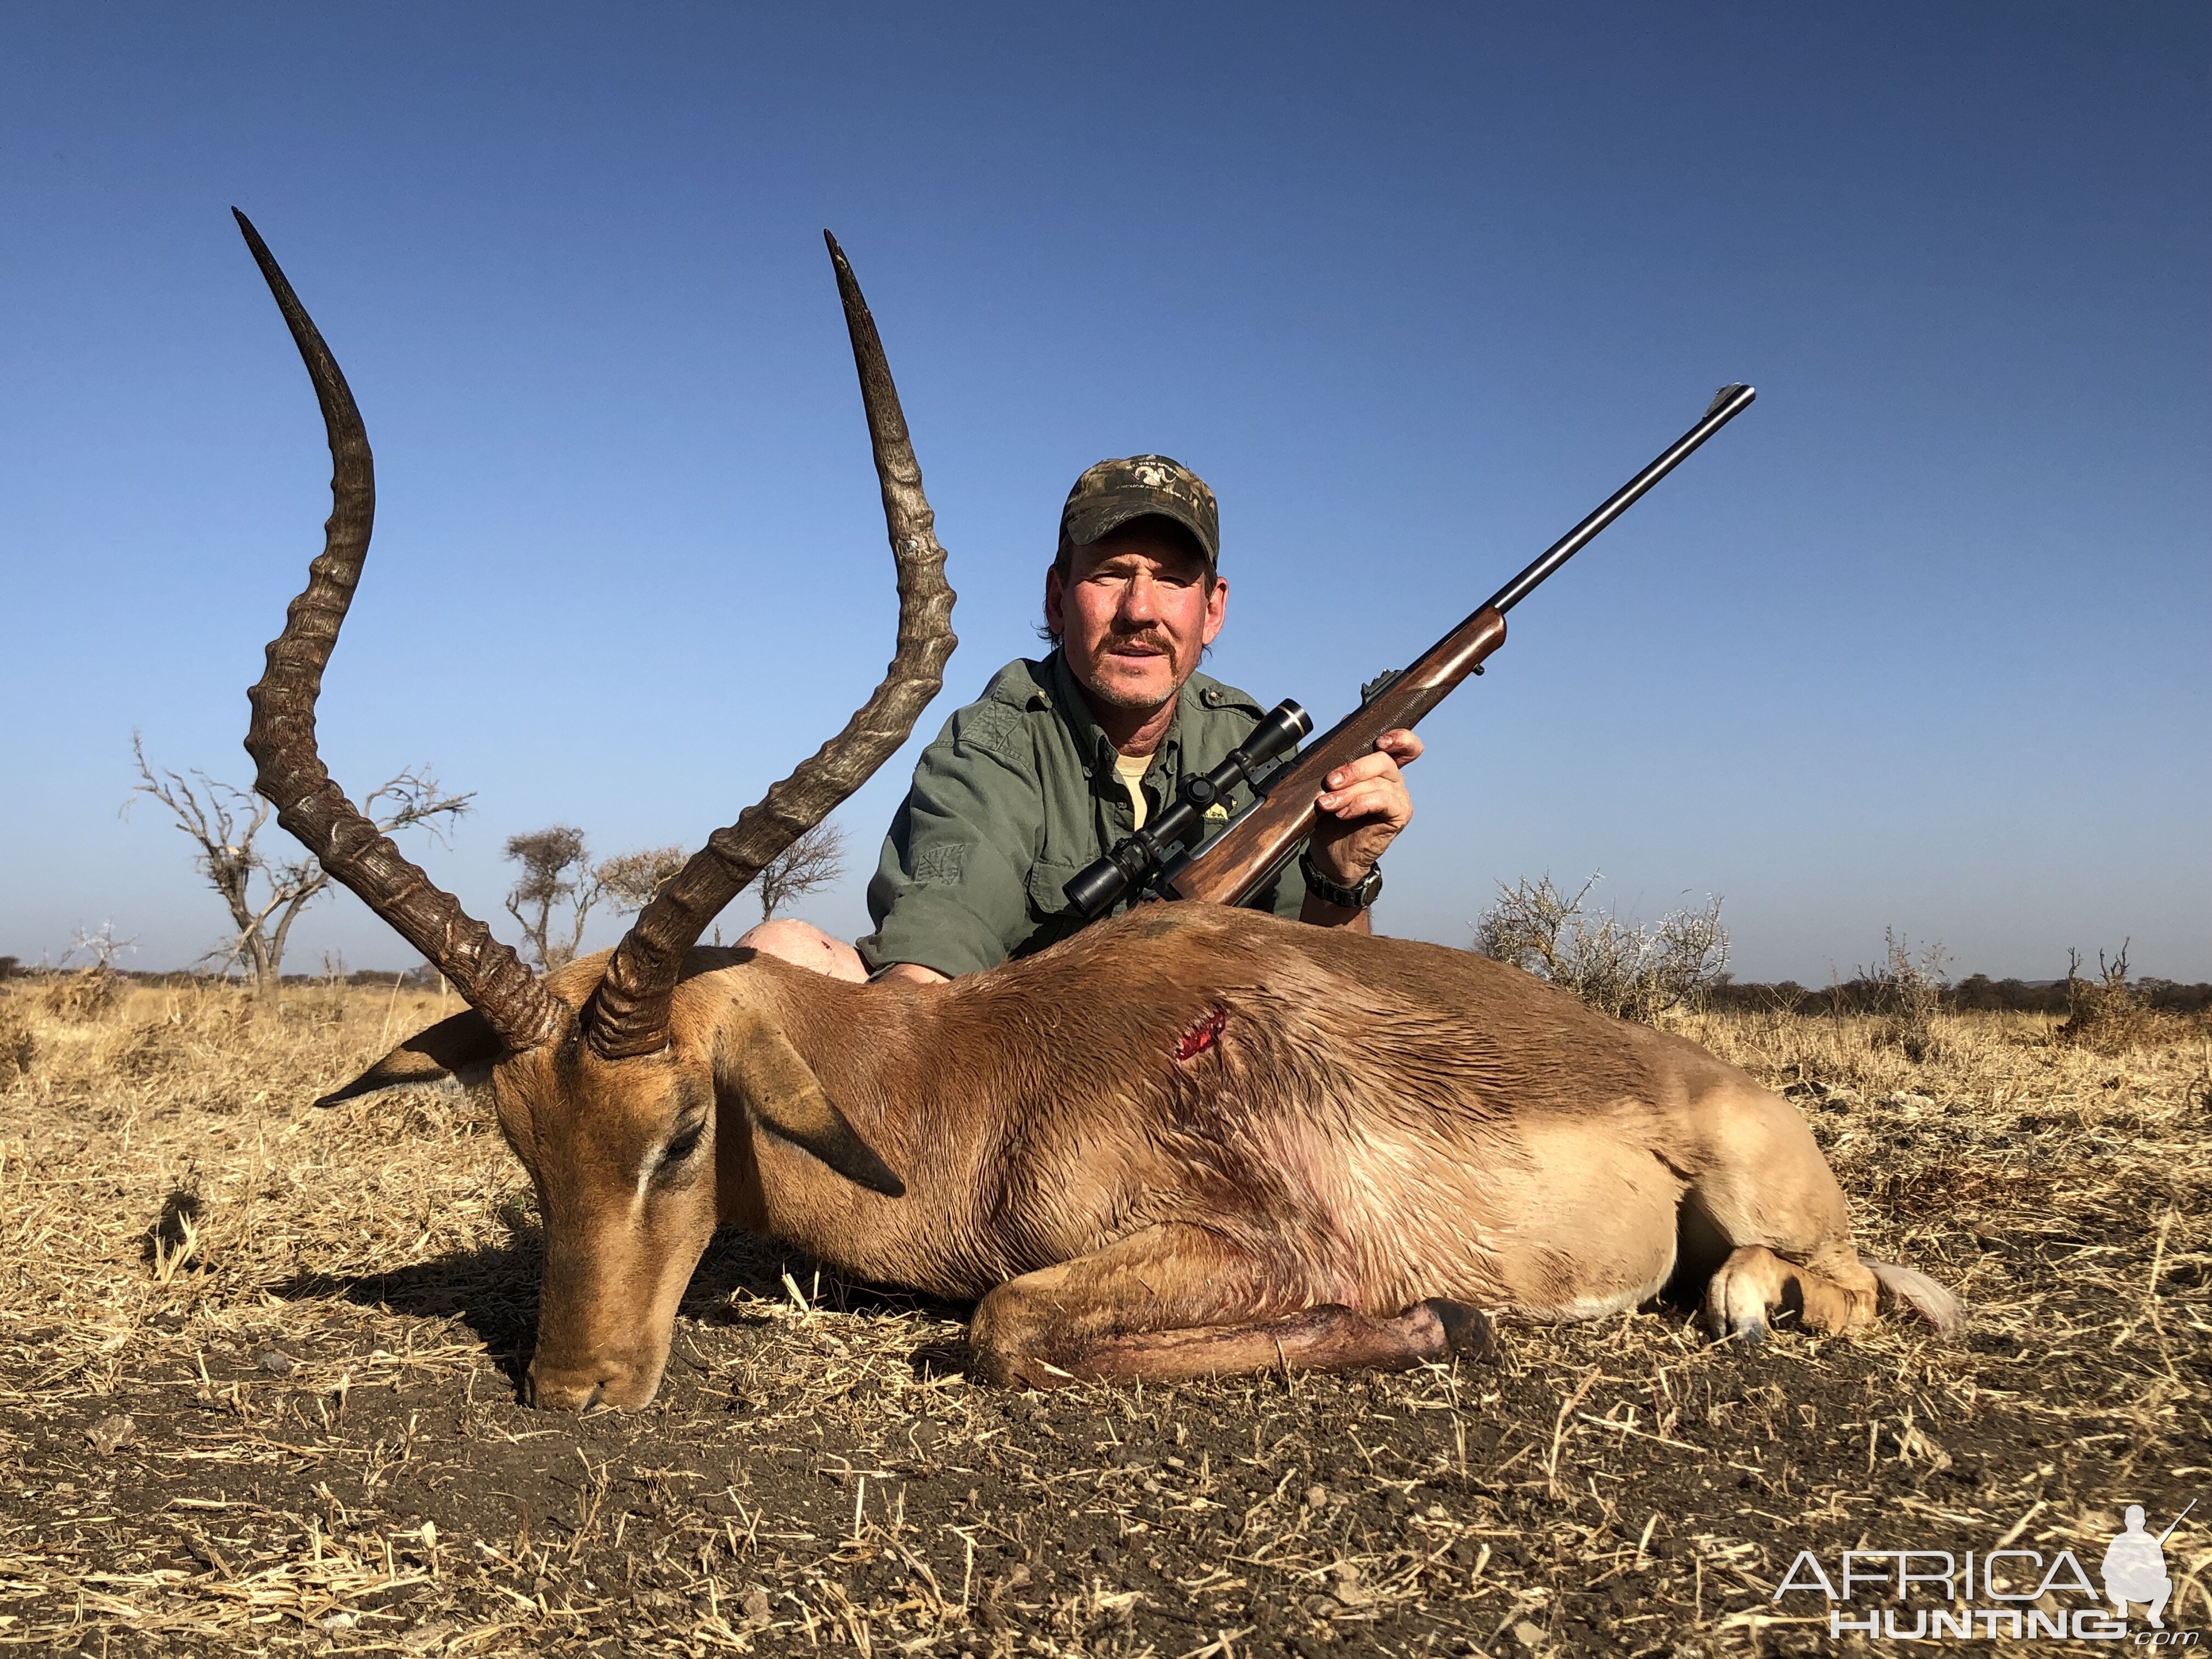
1246 855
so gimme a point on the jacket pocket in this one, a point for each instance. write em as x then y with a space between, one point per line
1048 887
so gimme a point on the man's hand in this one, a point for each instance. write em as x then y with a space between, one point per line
912 973
1364 808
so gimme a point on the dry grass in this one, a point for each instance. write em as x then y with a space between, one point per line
257 1393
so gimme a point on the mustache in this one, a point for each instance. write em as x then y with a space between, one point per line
1145 636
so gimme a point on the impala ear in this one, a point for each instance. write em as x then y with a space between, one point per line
782 1092
454 1056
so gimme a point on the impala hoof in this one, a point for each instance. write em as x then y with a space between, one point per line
1467 1331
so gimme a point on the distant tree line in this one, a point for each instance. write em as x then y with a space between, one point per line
420 978
1975 994
559 886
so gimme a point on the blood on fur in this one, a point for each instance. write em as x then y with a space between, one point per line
1197 1040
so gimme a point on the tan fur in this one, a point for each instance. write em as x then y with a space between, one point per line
1382 1134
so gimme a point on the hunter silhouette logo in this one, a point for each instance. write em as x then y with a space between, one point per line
2135 1567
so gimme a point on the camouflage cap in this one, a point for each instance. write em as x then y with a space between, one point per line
1109 495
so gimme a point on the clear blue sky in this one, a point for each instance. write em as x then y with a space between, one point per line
1920 641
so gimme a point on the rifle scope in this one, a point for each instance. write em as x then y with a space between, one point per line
1139 859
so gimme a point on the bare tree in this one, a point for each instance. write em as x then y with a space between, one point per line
95 987
264 896
98 947
1628 971
807 866
557 874
629 880
2106 1012
1905 994
561 885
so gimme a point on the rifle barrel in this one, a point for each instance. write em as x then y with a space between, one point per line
1729 402
2177 1520
1261 839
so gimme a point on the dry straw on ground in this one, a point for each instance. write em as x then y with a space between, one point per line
257 1393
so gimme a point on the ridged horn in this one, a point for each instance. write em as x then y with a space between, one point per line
288 769
628 1012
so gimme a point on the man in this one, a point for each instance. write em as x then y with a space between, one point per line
2135 1569
1059 759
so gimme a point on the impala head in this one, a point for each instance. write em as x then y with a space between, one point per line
631 1104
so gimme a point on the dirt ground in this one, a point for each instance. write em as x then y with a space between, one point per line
257 1392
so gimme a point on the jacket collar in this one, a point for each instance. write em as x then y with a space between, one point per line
1092 743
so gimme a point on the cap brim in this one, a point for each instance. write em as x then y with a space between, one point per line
1099 516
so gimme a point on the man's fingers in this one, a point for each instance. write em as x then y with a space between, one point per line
1376 765
1365 805
1392 750
1377 797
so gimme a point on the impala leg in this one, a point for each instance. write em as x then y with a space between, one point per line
1775 1206
1176 1303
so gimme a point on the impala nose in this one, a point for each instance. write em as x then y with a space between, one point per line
571 1387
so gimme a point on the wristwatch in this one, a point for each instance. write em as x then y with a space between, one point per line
1328 890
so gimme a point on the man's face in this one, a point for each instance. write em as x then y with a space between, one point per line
1133 613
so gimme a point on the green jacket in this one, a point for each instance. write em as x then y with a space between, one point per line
1018 794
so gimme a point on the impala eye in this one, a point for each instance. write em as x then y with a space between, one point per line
683 1143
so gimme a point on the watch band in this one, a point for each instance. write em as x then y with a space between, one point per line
1329 890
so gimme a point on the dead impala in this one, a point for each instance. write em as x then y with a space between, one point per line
1191 1140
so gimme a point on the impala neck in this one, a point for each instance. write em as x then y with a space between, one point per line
873 1051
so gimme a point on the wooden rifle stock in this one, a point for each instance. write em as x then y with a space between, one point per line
1244 857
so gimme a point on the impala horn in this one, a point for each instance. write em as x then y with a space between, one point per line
288 769
628 1011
